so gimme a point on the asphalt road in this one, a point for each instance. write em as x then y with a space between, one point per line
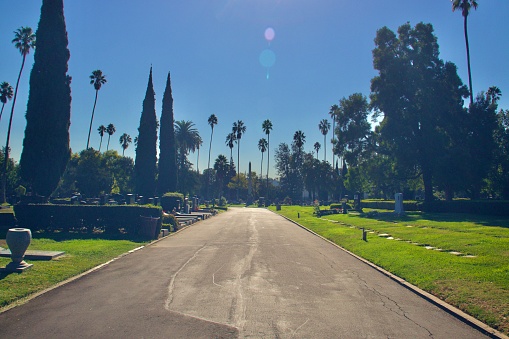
247 273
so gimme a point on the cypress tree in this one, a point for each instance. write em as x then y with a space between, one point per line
167 179
146 150
46 144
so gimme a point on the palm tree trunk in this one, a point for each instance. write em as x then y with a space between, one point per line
92 119
108 144
268 159
325 147
261 167
238 169
468 61
2 111
208 163
100 144
6 158
332 142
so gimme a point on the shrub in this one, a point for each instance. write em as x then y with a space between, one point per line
172 200
109 219
169 219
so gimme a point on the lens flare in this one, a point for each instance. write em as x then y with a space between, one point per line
267 58
269 34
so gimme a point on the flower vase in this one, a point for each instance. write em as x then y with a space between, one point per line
18 240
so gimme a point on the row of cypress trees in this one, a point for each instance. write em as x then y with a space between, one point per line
147 182
46 149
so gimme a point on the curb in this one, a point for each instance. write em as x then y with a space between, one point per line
457 313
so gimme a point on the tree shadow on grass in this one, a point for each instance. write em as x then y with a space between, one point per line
482 220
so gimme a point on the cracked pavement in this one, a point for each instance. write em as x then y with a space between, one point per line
247 273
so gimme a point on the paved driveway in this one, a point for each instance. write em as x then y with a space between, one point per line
247 273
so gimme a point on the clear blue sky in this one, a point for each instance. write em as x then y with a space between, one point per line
322 53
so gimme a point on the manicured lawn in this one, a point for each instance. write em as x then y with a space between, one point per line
476 280
81 255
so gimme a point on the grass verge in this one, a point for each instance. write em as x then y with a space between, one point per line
462 259
80 256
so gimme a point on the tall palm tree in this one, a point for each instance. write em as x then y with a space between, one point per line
239 129
212 121
24 40
317 147
334 109
125 140
267 128
199 142
97 79
299 139
493 94
230 142
110 129
262 146
465 6
6 94
324 127
101 130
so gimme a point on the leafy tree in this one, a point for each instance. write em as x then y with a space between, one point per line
353 127
125 140
6 93
465 6
167 180
419 97
101 130
110 129
13 179
499 177
92 177
289 169
262 146
46 149
146 150
24 40
317 147
121 170
324 127
97 78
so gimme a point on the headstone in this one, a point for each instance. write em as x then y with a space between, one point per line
130 199
195 204
186 205
398 208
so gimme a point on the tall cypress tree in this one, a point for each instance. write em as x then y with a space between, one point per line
46 145
146 150
167 180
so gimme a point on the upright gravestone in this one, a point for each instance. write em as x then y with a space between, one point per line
398 208
186 205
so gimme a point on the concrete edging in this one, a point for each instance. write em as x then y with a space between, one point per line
459 314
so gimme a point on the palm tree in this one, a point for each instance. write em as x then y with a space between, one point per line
239 129
465 6
267 127
199 142
493 94
101 130
97 79
110 129
24 40
324 127
230 142
6 94
212 121
317 147
262 146
299 139
187 138
125 140
334 109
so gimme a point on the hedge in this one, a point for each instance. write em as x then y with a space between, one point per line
390 204
483 207
172 200
108 218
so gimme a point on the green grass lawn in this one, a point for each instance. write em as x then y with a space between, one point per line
80 256
476 281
